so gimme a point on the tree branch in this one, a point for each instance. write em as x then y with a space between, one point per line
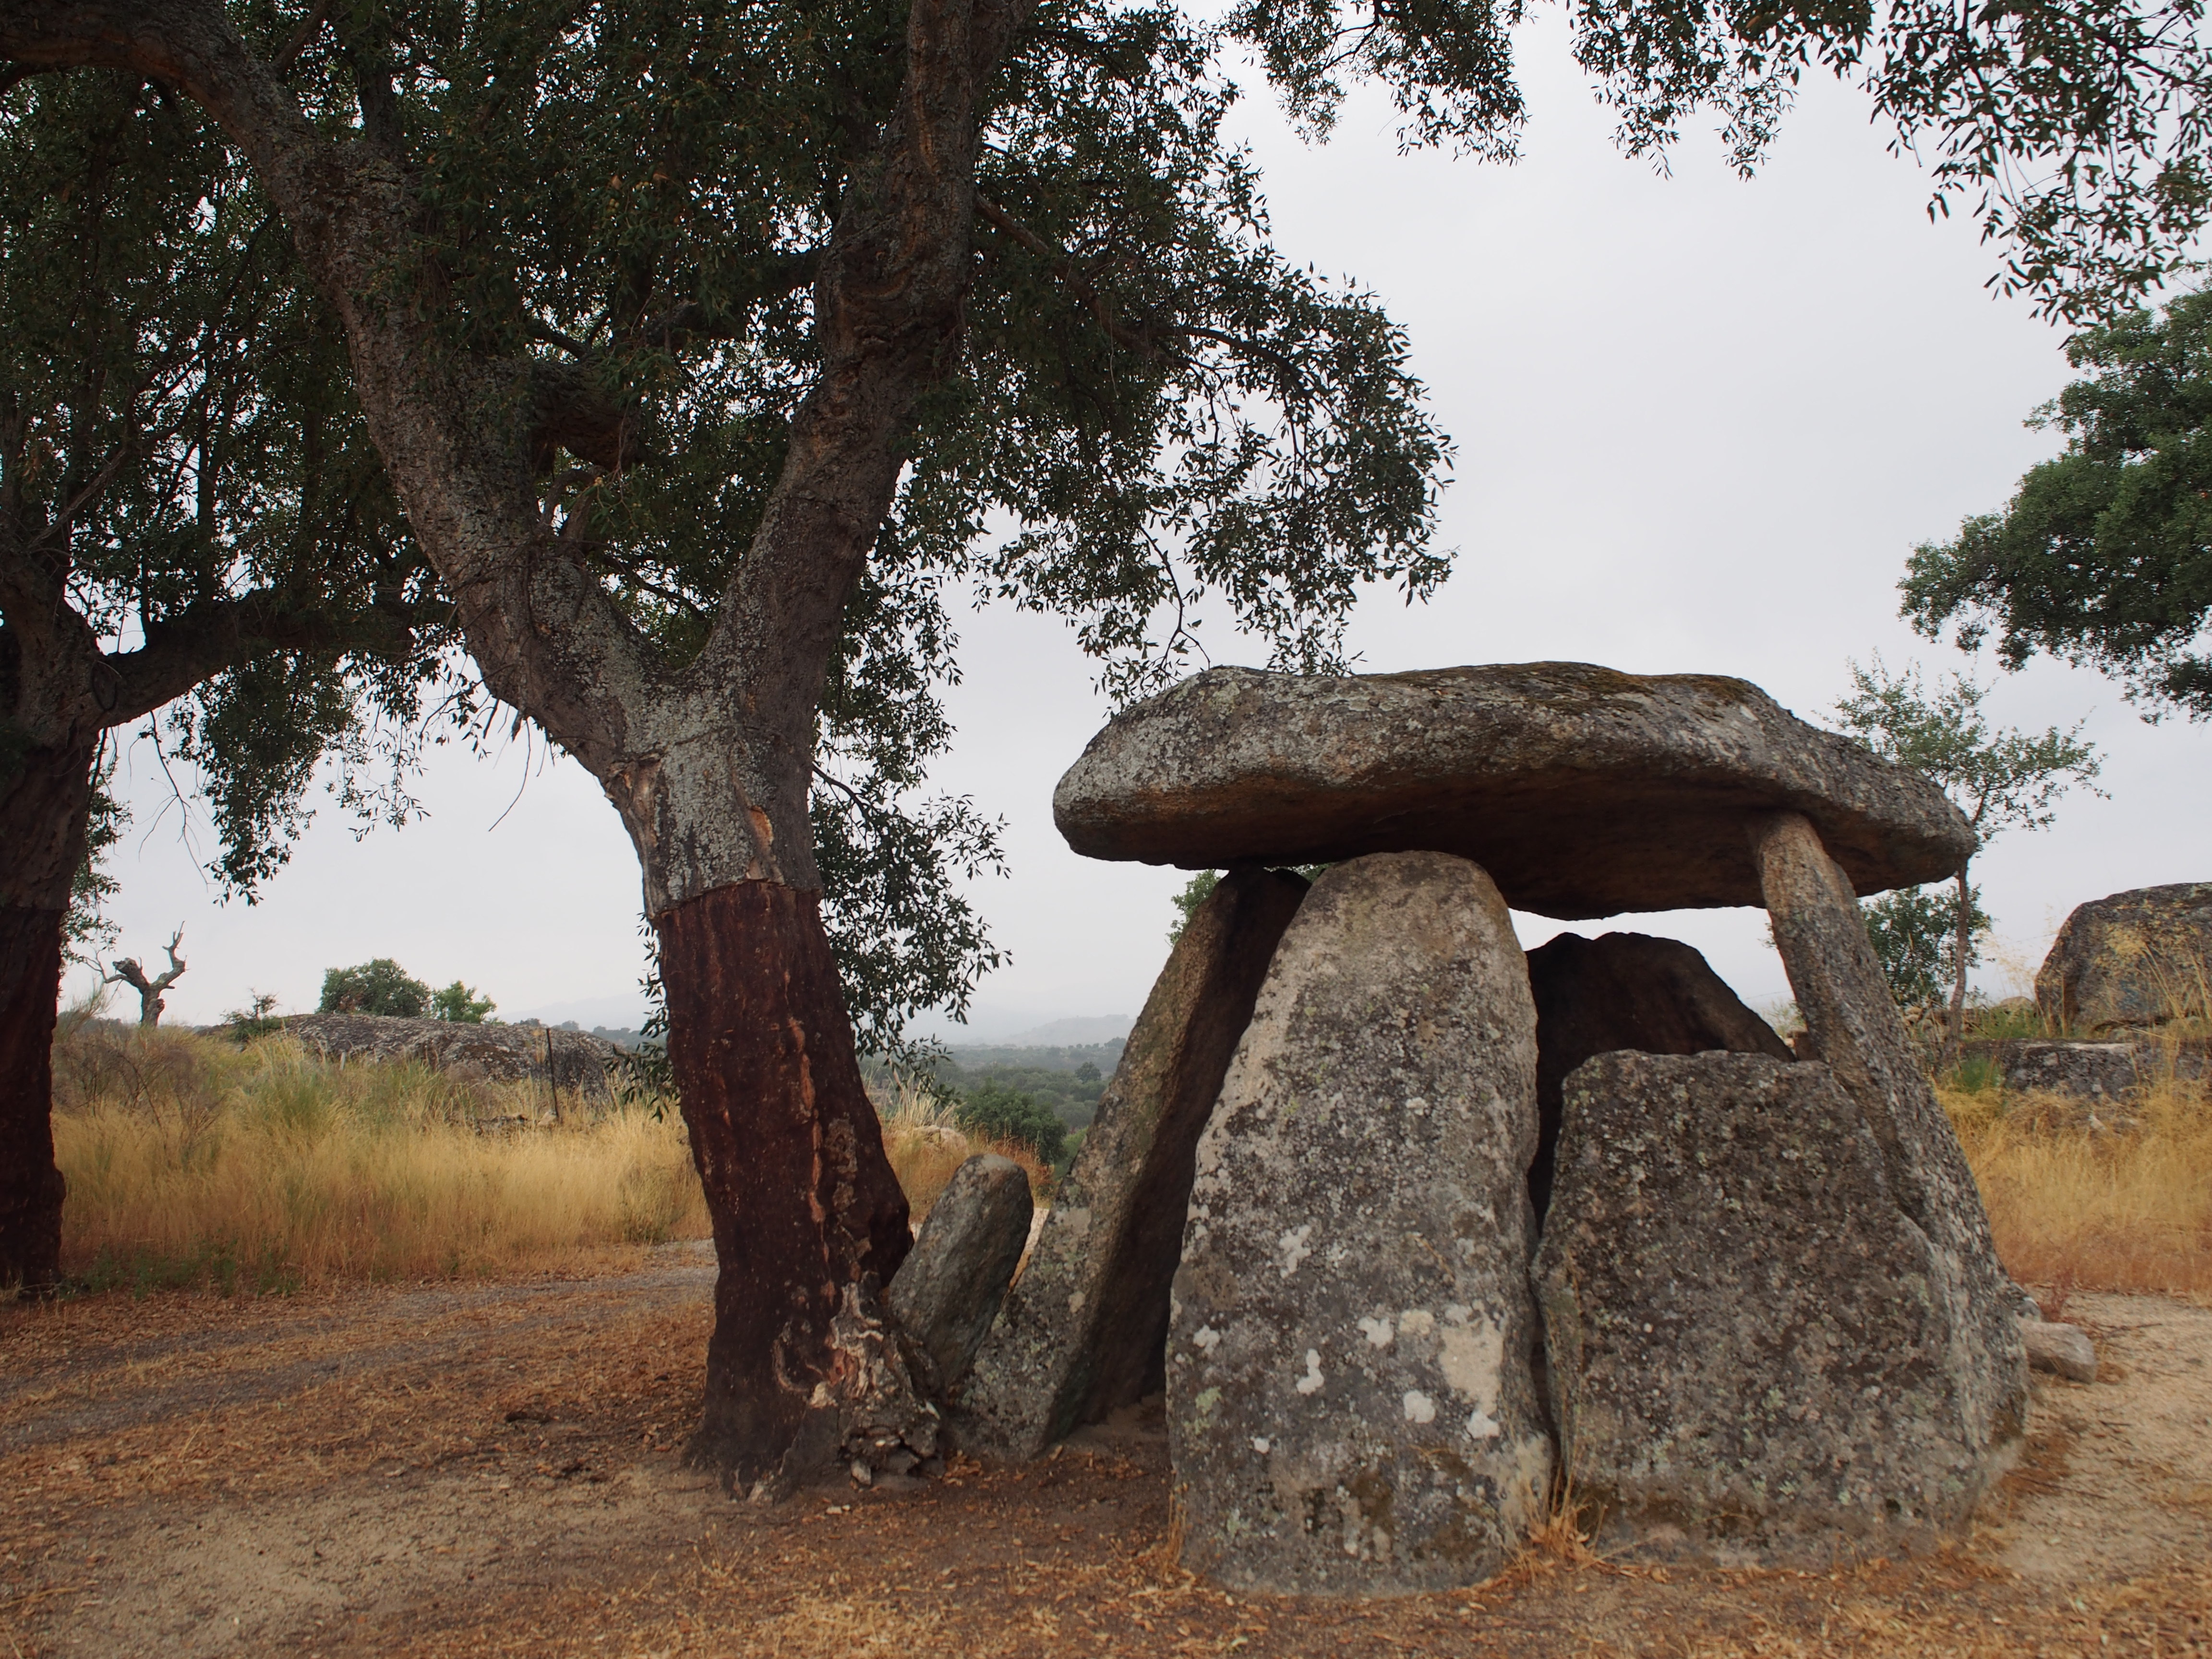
215 634
310 26
1063 268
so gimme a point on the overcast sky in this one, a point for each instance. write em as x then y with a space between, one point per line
1700 423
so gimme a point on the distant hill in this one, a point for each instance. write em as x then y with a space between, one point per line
1078 1032
1056 1057
1065 1078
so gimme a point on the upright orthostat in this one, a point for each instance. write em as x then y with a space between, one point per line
1351 1406
1752 1346
1080 1333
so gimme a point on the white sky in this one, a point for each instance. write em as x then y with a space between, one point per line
1701 424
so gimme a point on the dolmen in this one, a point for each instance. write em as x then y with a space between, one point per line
1427 1239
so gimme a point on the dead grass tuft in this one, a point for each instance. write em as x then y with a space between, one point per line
2117 1198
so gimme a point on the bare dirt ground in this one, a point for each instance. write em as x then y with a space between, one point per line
492 1469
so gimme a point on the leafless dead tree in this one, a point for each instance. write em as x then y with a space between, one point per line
128 972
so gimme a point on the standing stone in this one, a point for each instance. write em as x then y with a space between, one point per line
1750 1346
1351 1407
1080 1333
1626 991
949 1288
2136 958
1855 1030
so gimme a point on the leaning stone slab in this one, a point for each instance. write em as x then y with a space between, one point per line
1583 792
2141 958
1750 1356
1852 1026
1351 1403
948 1290
1080 1332
1626 991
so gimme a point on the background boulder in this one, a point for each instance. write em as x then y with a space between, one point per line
2140 957
578 1061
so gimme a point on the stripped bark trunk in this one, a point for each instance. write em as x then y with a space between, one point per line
709 762
44 797
788 1150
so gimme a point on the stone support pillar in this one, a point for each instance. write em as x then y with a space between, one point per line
1856 1031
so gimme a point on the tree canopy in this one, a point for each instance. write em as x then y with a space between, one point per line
2104 556
183 473
380 986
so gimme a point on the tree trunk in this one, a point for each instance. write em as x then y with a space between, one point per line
802 1198
42 818
1954 1027
708 762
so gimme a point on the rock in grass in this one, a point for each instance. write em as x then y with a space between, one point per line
1751 1357
2063 1349
1080 1335
1626 991
947 1291
576 1063
2141 958
1351 1404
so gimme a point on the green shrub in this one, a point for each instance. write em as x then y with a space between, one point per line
1915 933
258 1019
995 1111
459 1004
381 987
1976 1074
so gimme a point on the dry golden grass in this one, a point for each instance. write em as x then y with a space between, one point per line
925 1146
191 1160
2123 1202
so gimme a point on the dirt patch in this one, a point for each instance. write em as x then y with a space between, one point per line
494 1469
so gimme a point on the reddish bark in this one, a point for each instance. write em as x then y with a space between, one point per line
789 1150
42 812
31 1188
